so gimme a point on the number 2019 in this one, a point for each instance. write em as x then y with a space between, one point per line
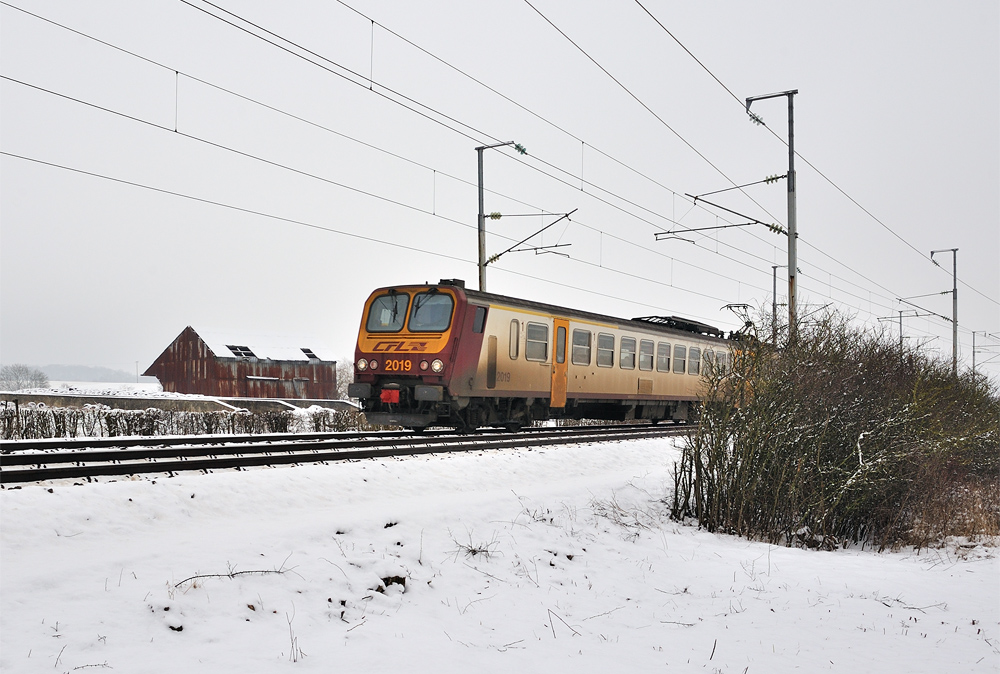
393 365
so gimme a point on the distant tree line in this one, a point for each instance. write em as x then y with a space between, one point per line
17 377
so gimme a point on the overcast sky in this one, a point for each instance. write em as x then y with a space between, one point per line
163 167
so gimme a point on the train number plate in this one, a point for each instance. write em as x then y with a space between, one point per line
398 365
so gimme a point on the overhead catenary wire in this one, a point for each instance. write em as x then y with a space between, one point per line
645 106
596 149
823 175
672 130
374 147
354 235
326 128
518 159
194 78
340 184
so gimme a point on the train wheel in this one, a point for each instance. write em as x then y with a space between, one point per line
513 426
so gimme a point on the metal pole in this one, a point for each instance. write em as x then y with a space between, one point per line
482 225
774 304
954 305
792 218
901 334
954 312
792 225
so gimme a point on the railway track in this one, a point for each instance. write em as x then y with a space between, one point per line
39 460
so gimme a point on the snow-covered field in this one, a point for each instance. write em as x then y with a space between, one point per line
552 560
100 388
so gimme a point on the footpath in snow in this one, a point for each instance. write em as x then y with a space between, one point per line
543 560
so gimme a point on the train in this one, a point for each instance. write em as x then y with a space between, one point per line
445 355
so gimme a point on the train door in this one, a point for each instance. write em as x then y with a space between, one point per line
559 364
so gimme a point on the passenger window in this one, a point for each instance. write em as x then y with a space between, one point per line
694 360
646 354
680 354
515 338
708 358
480 321
723 361
627 359
605 350
560 344
581 347
536 342
663 357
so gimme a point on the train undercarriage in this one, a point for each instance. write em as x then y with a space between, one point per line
420 406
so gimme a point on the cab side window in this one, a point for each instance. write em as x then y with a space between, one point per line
480 320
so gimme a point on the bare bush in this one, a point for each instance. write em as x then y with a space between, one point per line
24 422
345 376
18 377
842 436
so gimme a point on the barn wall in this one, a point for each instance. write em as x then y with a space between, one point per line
189 366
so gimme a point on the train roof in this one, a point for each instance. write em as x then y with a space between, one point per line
666 324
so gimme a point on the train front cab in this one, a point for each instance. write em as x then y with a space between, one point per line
404 354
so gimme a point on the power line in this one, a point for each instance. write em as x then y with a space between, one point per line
409 102
605 201
311 175
353 235
519 160
241 209
235 151
742 104
252 100
642 103
417 163
603 153
345 186
575 137
413 101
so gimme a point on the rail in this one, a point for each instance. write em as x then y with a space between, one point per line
38 460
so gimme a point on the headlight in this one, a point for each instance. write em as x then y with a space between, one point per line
374 364
424 365
362 365
437 365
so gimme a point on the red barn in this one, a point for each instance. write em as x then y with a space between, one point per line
230 366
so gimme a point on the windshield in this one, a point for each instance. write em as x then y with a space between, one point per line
431 312
387 313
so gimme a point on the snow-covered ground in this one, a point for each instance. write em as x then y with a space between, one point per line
550 560
101 388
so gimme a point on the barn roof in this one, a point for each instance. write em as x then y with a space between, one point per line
268 346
